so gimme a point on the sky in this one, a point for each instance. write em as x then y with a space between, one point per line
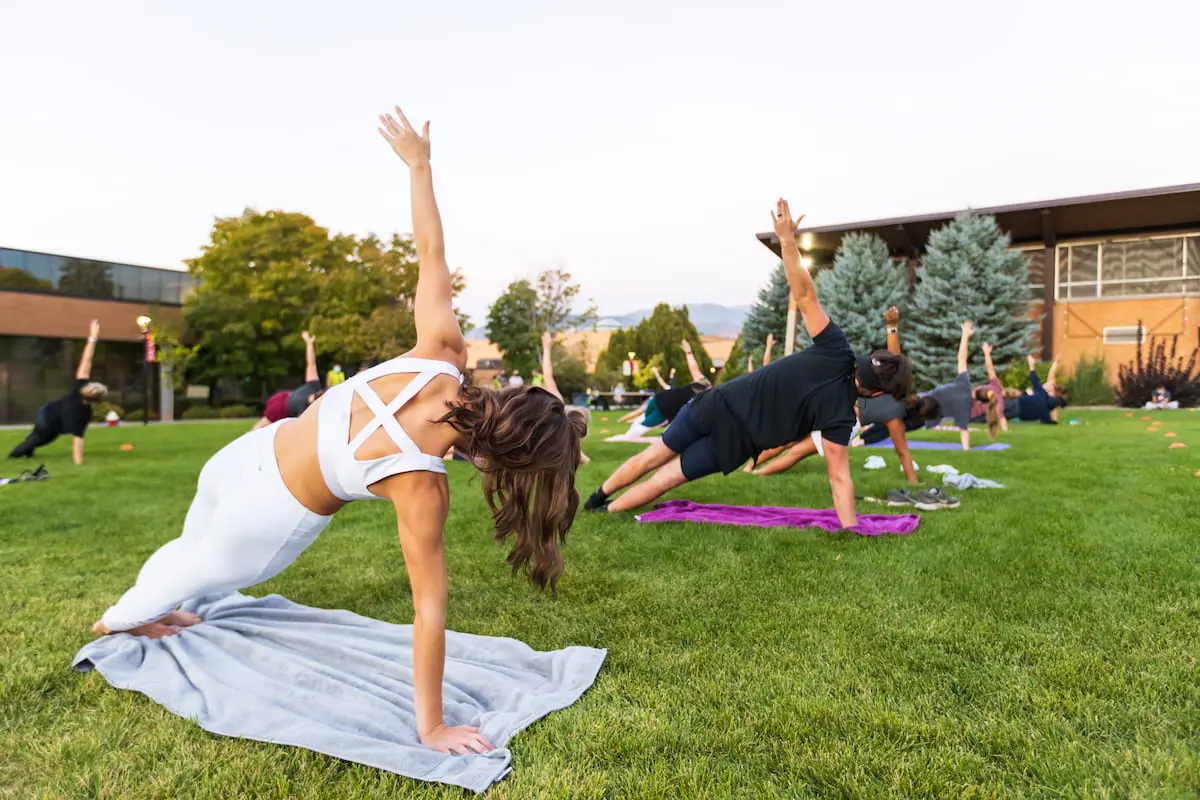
637 145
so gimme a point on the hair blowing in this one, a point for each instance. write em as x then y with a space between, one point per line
987 395
527 446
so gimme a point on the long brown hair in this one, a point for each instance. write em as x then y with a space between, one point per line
986 395
526 444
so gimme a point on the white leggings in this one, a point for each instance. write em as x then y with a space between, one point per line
243 527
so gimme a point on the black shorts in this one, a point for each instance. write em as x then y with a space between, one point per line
696 449
300 399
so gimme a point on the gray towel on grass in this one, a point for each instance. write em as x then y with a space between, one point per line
969 481
338 683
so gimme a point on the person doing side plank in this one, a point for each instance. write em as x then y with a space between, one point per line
282 405
882 411
266 496
953 399
989 399
1042 403
812 390
70 413
664 406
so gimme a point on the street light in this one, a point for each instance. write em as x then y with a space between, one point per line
147 359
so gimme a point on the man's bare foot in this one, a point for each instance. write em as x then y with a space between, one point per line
167 626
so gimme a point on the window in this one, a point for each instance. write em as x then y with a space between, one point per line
1123 334
1165 265
151 285
1037 273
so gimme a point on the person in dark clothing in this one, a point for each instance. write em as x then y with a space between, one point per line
288 404
70 413
812 390
956 399
1040 405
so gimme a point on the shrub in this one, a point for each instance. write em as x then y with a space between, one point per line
200 412
1016 376
138 414
1088 385
100 411
237 411
1161 367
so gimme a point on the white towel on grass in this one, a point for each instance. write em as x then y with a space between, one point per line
338 683
875 462
944 469
969 481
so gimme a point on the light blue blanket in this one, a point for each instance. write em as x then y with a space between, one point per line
338 683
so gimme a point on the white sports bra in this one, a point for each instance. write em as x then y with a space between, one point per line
348 477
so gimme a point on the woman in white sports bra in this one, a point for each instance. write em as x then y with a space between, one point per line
267 495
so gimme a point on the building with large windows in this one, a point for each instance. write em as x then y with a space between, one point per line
46 303
1104 270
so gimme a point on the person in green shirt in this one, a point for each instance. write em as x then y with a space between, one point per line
334 376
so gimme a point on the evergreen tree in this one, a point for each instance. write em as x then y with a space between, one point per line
864 282
968 272
767 315
658 334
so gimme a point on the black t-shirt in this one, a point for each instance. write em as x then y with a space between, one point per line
73 413
298 400
671 401
784 402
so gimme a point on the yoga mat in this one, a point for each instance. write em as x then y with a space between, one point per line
773 517
920 445
338 683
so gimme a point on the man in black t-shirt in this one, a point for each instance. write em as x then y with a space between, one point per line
70 413
812 390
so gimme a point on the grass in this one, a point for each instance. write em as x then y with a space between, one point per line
1039 642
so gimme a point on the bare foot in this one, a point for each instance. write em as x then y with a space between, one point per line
167 626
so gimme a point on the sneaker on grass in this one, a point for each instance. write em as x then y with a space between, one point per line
934 500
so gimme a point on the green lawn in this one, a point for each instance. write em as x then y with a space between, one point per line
1040 641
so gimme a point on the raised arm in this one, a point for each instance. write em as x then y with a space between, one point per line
800 282
437 325
310 357
693 366
421 526
749 364
770 347
89 350
891 318
964 345
1051 383
548 382
986 347
658 377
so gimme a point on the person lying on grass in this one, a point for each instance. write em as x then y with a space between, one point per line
882 412
269 494
812 390
293 403
1040 403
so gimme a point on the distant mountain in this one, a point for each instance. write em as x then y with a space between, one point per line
711 319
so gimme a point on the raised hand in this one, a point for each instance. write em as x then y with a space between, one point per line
307 337
770 342
1032 362
460 740
411 146
547 339
967 328
986 347
94 329
785 225
687 346
891 317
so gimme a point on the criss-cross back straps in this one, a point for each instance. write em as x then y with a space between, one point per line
385 415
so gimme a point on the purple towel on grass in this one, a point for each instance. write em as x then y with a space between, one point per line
772 517
924 445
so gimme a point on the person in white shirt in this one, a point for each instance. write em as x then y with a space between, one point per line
516 379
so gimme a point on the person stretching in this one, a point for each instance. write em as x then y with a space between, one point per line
285 404
812 390
1041 403
664 406
883 412
70 413
953 399
988 405
266 496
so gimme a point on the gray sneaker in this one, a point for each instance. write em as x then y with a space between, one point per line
934 500
900 497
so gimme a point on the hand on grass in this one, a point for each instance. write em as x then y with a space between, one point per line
411 146
460 740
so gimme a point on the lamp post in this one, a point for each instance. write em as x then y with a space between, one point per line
147 359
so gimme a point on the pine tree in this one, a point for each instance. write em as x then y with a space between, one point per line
767 315
864 282
968 272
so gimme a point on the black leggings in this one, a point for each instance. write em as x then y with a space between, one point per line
45 431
